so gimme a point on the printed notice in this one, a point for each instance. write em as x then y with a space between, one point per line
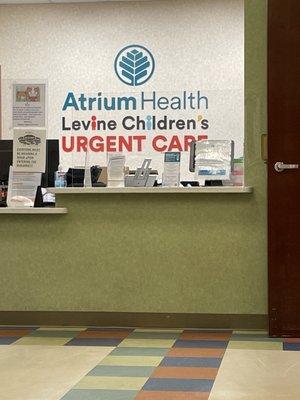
171 174
22 187
29 105
29 150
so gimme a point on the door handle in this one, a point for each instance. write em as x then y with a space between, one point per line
280 166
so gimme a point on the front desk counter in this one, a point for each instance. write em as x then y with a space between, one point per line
153 190
135 190
128 254
33 210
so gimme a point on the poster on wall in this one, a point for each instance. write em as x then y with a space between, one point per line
29 105
29 150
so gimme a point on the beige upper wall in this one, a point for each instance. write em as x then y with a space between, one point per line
197 45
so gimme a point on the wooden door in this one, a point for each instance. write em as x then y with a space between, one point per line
284 183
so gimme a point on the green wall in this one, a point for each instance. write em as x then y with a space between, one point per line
151 253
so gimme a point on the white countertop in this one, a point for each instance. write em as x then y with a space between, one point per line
156 190
33 210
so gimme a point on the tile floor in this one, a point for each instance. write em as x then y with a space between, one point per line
81 363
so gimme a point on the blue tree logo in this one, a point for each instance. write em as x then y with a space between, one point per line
134 65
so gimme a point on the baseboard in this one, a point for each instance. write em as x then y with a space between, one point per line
118 319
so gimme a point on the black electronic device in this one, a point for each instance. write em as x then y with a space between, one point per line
75 177
192 156
189 183
38 202
6 159
52 161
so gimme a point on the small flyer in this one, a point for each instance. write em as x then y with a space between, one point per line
29 150
22 188
29 105
171 174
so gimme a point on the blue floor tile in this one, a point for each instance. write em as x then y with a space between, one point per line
291 346
211 344
8 340
94 342
19 327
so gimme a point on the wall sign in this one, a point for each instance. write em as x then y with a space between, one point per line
150 90
134 65
142 123
29 150
29 105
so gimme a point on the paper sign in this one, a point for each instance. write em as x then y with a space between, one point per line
171 174
29 150
22 188
29 105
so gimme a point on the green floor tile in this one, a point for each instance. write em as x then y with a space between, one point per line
54 333
139 351
255 338
117 370
111 383
132 360
158 343
41 341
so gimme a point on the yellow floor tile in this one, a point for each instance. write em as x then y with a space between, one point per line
149 361
158 343
111 383
48 341
253 345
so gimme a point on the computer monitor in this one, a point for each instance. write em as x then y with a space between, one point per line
6 159
52 161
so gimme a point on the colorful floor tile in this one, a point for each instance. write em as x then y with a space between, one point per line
39 341
148 364
9 334
189 368
292 344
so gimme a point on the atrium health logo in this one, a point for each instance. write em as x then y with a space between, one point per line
134 65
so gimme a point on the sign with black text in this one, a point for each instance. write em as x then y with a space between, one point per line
29 150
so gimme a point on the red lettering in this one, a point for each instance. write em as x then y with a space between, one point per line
111 143
155 144
175 144
64 145
82 142
139 139
125 143
96 144
94 122
188 139
202 137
